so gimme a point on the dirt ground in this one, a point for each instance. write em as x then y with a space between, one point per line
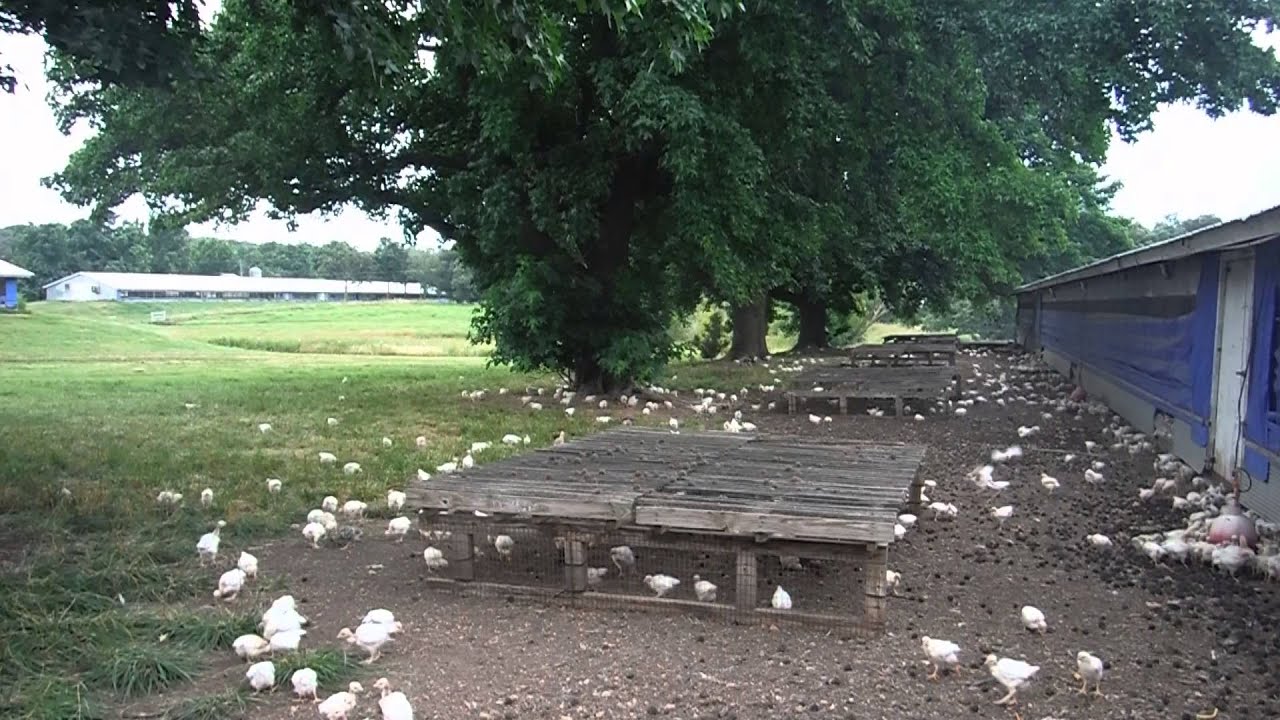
1179 642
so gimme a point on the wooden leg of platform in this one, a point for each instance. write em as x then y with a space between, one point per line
876 585
844 405
745 597
791 404
897 405
915 496
462 565
575 565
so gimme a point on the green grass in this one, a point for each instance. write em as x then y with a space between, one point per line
95 423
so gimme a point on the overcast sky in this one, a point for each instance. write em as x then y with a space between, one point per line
1187 165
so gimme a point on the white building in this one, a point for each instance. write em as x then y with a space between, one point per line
93 285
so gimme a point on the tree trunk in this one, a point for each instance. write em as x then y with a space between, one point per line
750 330
813 324
590 378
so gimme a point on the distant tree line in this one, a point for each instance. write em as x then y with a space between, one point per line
53 250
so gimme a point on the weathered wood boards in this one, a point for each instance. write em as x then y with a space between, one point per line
747 494
951 338
903 354
880 383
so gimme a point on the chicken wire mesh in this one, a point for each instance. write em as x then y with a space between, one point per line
612 568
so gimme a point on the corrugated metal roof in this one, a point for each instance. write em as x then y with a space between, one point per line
9 270
1260 226
157 282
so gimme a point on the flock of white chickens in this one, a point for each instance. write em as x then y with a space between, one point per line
1217 531
1210 509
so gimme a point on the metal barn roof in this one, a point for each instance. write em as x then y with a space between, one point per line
9 270
1255 228
156 282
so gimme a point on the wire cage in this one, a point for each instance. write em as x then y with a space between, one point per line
621 567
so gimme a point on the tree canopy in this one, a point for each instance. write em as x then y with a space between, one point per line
601 167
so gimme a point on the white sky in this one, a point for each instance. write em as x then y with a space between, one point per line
1188 165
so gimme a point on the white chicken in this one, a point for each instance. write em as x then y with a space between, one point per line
815 419
250 647
1092 477
447 468
248 564
781 599
705 590
264 428
394 705
1049 482
351 468
435 559
1012 674
207 545
891 580
942 654
381 616
623 558
332 422
314 532
468 462
420 441
168 497
206 497
369 637
673 425
386 442
261 676
329 504
230 584
907 520
395 500
1090 669
274 485
510 439
1033 619
305 683
1002 513
504 544
337 705
596 575
286 640
1099 540
398 527
354 508
943 510
328 458
661 584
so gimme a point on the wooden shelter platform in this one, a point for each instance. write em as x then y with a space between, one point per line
903 354
951 338
898 384
746 494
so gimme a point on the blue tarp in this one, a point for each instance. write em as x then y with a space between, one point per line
1166 360
1261 427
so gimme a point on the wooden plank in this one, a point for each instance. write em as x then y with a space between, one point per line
747 576
876 585
619 511
772 525
575 565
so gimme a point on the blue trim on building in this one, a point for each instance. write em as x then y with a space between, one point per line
10 292
1166 360
1261 424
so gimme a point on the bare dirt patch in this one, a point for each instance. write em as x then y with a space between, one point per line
1178 641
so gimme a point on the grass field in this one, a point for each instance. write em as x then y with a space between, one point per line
94 419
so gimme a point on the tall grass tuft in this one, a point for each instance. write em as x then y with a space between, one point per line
232 704
141 669
333 667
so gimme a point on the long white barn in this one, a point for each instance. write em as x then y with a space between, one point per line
93 286
1182 337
